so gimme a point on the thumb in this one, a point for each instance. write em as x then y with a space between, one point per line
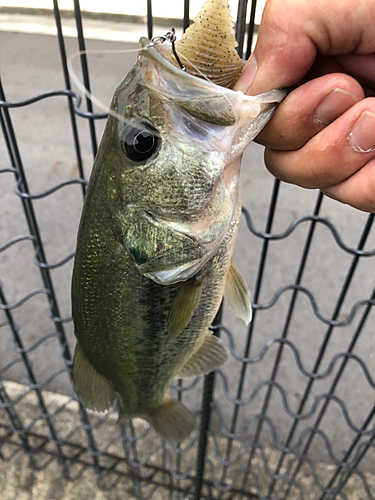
284 51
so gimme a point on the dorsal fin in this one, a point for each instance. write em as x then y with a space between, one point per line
210 45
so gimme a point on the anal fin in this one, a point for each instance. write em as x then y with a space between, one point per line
172 420
93 390
184 305
237 294
210 355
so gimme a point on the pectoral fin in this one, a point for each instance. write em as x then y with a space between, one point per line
184 305
237 294
210 355
93 390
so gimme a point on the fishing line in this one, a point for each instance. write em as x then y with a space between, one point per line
168 37
83 89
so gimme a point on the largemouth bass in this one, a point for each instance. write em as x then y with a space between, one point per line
156 238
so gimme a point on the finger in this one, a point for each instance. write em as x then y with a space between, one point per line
359 67
363 66
334 154
308 109
358 190
292 33
354 65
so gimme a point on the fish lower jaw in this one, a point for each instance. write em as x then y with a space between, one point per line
177 274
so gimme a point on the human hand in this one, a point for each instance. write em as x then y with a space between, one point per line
323 133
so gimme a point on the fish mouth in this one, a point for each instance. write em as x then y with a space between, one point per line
202 98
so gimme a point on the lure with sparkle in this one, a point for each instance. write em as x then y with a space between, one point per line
208 46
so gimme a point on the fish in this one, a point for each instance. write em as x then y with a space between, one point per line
157 232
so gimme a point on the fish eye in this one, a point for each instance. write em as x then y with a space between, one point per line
139 143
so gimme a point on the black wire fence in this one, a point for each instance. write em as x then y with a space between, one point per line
291 415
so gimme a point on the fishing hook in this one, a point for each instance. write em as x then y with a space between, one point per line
170 36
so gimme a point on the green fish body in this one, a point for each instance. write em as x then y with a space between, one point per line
156 239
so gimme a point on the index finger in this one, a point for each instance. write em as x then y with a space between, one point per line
293 32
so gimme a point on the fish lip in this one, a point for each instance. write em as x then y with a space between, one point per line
149 49
220 106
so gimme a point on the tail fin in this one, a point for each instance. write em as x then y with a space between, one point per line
172 420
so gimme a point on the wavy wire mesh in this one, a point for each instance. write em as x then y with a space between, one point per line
291 415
